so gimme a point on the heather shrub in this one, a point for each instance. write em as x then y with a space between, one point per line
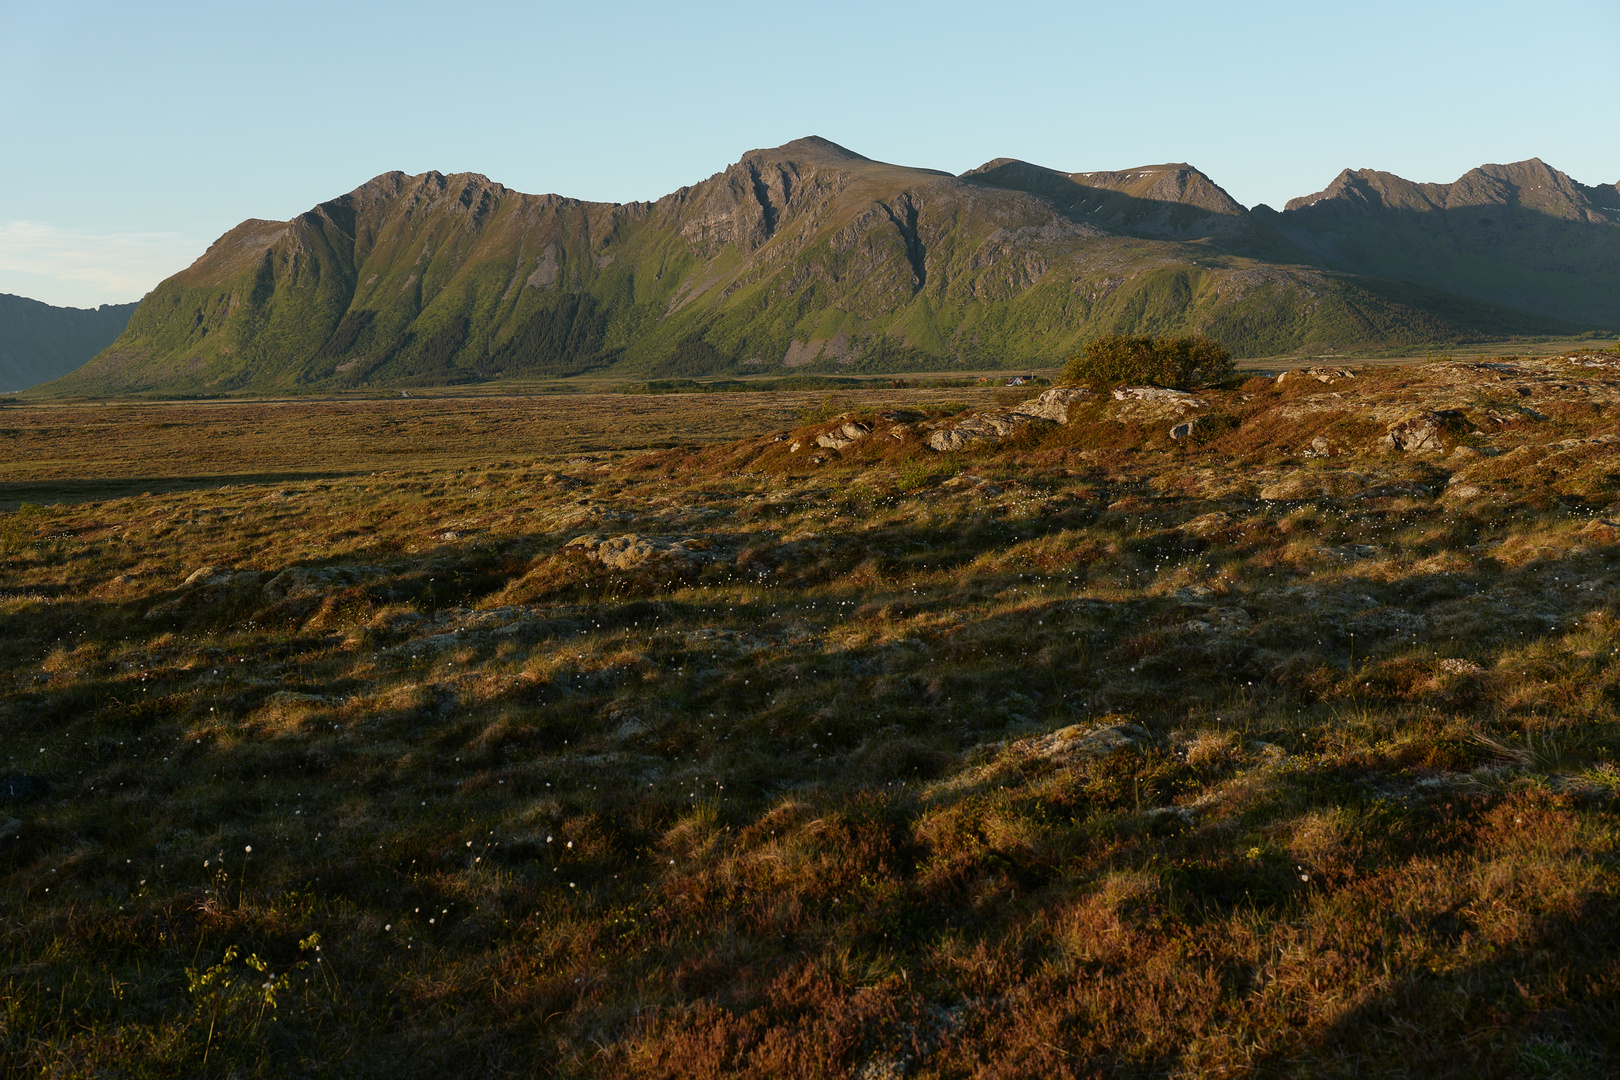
1183 363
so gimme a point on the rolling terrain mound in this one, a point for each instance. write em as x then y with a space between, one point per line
1266 729
805 257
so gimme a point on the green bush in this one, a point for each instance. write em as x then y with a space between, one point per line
1181 363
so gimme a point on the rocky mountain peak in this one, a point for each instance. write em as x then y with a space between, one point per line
1175 182
813 148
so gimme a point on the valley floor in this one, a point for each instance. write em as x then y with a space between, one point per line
608 736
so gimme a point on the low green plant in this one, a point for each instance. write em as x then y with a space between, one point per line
249 990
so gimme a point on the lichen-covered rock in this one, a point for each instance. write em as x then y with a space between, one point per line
1208 525
1219 620
1157 394
847 435
1055 403
1078 742
1603 531
1462 490
981 428
632 551
976 485
1311 484
1321 375
1149 404
1420 434
1184 429
218 577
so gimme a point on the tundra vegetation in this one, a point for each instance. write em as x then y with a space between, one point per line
747 735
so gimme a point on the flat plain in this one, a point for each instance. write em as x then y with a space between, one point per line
604 735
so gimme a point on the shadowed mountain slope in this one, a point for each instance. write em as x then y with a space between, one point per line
803 256
40 342
1524 235
1167 202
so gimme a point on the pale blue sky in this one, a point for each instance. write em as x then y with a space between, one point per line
132 135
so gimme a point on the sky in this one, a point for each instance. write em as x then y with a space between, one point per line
132 135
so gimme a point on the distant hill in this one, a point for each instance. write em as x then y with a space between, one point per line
806 257
1524 235
39 342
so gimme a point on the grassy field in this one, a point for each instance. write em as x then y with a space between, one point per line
92 450
612 736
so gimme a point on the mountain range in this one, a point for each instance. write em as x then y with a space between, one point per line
811 257
40 342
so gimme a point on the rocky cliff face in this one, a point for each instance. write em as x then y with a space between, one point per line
806 254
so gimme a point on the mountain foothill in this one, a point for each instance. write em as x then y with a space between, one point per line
812 258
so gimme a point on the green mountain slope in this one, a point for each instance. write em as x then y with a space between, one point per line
1524 235
804 257
39 342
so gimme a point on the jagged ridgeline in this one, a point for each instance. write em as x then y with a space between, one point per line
807 257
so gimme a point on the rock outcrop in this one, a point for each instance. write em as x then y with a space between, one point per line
1321 375
993 425
1421 434
981 429
1055 403
632 551
851 433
